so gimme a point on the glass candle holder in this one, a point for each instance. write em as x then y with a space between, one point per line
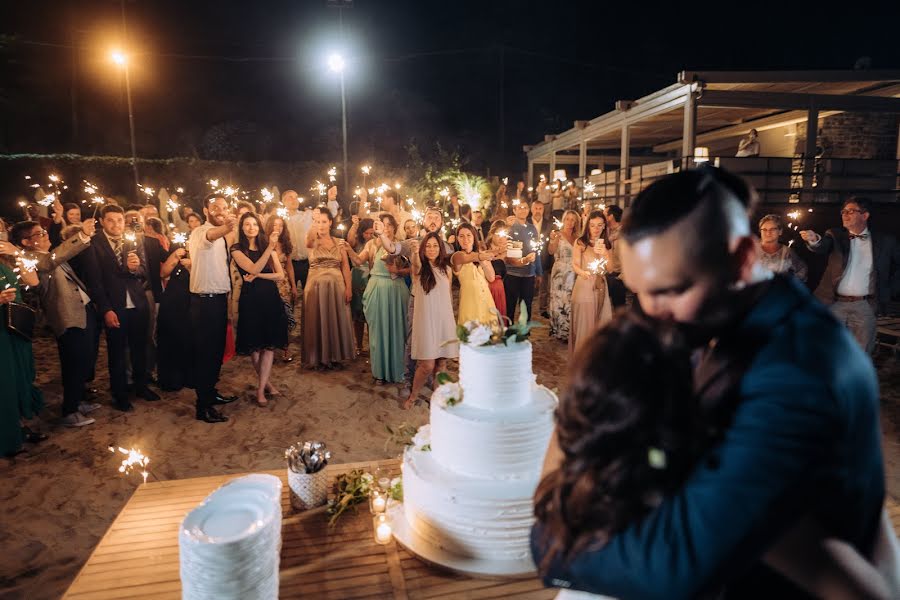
377 501
383 532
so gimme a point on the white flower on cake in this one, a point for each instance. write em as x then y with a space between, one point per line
447 395
479 335
422 437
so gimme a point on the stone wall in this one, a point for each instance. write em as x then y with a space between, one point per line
855 135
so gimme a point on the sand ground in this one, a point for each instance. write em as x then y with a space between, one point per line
59 498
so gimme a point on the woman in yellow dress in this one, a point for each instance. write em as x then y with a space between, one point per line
472 266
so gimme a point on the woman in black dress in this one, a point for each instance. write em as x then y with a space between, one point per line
173 331
262 323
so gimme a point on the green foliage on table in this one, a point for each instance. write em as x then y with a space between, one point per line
350 489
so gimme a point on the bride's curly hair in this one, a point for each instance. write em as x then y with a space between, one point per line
629 429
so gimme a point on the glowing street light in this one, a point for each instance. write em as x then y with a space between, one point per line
336 64
121 59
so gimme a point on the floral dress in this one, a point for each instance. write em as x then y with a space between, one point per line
562 280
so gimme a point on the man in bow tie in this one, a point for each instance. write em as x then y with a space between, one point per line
862 272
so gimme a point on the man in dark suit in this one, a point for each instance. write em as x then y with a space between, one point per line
116 277
544 225
863 270
790 399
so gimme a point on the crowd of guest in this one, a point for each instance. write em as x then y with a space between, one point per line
231 281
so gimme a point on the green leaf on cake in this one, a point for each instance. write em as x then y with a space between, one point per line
443 377
426 448
462 333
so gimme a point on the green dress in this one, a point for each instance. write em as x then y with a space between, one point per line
19 398
385 303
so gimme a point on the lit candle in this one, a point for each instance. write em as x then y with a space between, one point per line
379 504
383 531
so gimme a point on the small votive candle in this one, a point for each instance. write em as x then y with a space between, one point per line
383 533
377 502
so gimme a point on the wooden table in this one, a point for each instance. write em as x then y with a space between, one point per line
138 556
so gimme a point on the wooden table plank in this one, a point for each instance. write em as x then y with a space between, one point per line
138 556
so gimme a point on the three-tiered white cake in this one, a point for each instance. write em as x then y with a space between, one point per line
469 477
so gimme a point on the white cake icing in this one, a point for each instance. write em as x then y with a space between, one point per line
469 477
501 444
496 377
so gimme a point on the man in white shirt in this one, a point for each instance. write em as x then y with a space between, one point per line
298 223
210 285
390 203
863 270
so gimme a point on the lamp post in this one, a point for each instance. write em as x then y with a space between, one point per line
121 59
336 63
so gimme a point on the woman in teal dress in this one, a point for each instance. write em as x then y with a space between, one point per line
384 304
19 398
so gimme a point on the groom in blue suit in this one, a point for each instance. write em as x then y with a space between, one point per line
792 397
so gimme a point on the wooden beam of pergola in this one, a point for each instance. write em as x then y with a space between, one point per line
791 101
787 76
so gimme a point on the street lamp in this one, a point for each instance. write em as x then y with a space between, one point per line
336 63
121 59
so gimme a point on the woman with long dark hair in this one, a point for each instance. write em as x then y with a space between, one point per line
262 324
433 323
628 441
473 267
287 287
591 307
359 235
327 333
173 331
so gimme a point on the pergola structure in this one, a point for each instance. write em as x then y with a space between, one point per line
705 106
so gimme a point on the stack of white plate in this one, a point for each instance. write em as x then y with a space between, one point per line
231 543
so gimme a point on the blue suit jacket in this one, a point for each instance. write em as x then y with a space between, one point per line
804 440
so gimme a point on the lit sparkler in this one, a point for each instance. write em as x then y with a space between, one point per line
366 169
416 215
444 192
171 205
557 224
282 212
589 187
340 227
267 195
179 238
133 460
47 200
597 266
332 174
54 178
148 191
502 233
180 190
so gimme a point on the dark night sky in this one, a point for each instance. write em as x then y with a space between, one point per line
419 69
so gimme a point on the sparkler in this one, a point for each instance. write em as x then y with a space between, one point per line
589 187
171 205
366 169
133 460
416 215
179 238
597 266
516 202
54 178
180 190
410 201
502 233
267 195
557 224
444 192
340 227
506 181
282 212
149 191
47 200
28 177
397 186
794 215
213 183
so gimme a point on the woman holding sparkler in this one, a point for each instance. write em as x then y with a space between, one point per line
359 235
20 399
498 242
778 257
262 326
287 287
385 303
472 266
433 323
327 333
562 277
173 331
591 307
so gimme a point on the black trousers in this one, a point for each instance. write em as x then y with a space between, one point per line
616 289
301 271
209 320
131 335
95 344
76 359
518 288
